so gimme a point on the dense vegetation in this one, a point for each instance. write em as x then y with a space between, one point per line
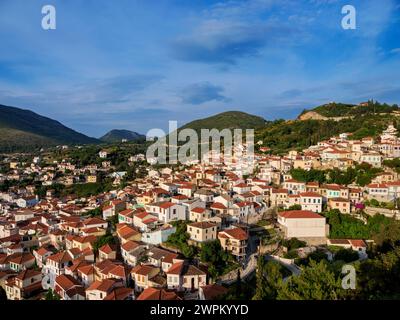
346 226
51 295
219 261
394 164
361 174
227 120
114 136
80 190
334 109
179 239
108 238
376 278
281 136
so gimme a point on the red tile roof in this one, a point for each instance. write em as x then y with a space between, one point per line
202 225
236 233
310 194
198 210
299 214
157 294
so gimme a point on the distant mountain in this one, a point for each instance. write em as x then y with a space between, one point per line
24 130
227 120
118 135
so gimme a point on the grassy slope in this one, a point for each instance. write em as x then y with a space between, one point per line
22 129
282 136
118 135
227 120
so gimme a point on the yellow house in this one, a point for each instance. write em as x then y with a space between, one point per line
201 232
234 240
91 179
13 165
342 204
199 214
142 275
83 242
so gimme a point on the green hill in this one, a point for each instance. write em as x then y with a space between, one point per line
227 120
281 135
24 130
117 136
334 109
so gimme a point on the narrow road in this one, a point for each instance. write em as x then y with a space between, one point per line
295 270
250 264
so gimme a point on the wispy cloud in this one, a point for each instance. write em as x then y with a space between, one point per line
230 31
199 93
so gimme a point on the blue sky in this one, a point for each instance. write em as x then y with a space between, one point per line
126 64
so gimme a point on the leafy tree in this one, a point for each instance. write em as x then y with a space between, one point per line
179 239
379 277
188 251
378 227
261 284
316 256
113 220
316 282
51 295
308 175
394 164
97 212
212 253
103 240
238 284
269 280
294 243
346 255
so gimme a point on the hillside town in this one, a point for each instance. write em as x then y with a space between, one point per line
183 232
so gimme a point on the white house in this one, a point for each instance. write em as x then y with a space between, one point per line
304 225
167 211
103 154
311 201
158 235
26 202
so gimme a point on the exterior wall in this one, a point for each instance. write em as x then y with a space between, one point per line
343 207
95 295
303 228
158 236
311 203
234 246
174 281
196 280
202 235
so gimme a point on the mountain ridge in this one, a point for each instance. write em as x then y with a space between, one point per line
227 120
117 135
23 129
